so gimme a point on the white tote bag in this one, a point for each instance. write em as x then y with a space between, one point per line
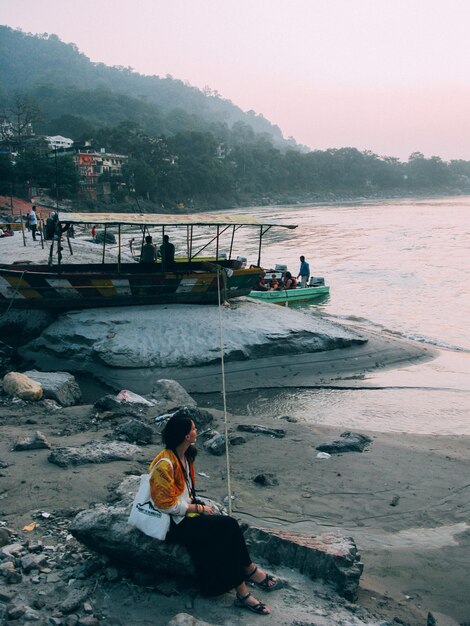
144 515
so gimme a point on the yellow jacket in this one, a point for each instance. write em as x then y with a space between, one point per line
167 480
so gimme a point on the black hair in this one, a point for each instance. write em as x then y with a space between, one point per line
176 429
166 238
148 239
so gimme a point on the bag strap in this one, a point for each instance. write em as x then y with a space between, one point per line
158 463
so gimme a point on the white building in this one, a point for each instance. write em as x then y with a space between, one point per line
58 142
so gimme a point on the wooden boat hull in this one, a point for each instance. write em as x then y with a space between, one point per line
288 296
73 286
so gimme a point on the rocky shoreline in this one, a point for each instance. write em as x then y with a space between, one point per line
73 471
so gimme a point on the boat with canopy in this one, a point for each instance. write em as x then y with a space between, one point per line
190 278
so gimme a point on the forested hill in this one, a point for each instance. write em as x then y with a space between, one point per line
66 82
183 145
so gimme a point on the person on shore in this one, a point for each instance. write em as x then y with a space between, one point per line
215 542
93 233
50 227
7 231
149 252
304 272
33 222
167 252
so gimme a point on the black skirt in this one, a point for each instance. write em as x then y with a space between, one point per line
217 548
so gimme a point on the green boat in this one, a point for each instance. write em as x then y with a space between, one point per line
289 296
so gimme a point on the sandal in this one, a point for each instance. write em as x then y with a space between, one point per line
260 608
267 584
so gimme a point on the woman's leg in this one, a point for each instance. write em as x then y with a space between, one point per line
218 549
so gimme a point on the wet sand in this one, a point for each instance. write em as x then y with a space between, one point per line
415 552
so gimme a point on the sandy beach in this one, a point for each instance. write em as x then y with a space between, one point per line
400 499
405 500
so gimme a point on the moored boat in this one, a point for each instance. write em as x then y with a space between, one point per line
289 296
192 280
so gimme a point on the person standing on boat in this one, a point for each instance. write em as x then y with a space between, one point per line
149 252
304 272
167 252
33 222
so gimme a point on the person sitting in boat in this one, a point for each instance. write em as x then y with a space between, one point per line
274 283
260 286
289 281
50 227
149 252
167 252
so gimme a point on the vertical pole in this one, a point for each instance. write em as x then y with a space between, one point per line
119 248
22 230
217 246
163 250
104 242
259 249
56 182
231 242
191 244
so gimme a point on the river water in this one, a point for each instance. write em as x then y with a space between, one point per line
398 265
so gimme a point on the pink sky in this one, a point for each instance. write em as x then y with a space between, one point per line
391 76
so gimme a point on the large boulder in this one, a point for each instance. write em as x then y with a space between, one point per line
21 386
59 386
170 395
93 452
331 558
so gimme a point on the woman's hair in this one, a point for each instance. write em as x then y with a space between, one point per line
176 429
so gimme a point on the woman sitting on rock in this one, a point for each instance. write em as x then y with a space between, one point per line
215 542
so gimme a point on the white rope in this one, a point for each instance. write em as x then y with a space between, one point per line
222 364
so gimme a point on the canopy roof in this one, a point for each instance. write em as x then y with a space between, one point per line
157 219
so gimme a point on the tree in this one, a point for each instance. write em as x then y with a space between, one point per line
19 118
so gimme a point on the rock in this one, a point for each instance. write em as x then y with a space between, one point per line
203 419
215 445
59 386
5 535
348 442
184 619
330 557
395 500
136 431
93 452
107 236
16 611
10 573
6 595
74 600
237 440
110 406
171 395
262 430
20 386
266 480
37 441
